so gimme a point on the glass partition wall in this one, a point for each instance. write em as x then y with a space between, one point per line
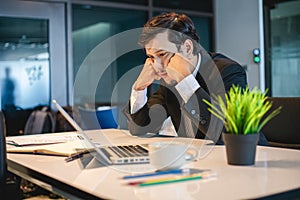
32 59
32 54
282 28
24 63
92 25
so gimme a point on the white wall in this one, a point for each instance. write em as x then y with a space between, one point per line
238 27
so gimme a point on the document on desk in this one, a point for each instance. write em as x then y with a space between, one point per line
42 139
56 144
66 149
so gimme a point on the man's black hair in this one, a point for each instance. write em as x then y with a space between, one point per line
182 26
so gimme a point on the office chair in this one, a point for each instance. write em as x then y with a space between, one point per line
3 164
283 130
9 188
101 118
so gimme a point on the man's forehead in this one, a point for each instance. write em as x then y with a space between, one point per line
156 50
160 43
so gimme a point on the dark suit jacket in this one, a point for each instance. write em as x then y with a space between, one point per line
216 75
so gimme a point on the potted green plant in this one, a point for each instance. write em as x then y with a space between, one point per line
244 113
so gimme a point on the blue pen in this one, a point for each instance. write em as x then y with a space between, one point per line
173 171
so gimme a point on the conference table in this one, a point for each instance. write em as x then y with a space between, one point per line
276 172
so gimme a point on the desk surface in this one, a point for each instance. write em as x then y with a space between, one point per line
275 171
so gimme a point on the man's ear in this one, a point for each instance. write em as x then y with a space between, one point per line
188 47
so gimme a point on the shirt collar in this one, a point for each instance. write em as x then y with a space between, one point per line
197 66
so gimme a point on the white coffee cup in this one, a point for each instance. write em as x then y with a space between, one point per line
171 155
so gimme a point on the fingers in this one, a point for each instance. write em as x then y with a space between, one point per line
156 77
174 74
178 67
147 76
148 61
154 69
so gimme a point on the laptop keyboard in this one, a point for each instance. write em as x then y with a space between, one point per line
126 154
127 151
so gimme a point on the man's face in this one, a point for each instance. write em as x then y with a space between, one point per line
160 50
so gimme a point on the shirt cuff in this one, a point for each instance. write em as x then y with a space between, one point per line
138 99
187 87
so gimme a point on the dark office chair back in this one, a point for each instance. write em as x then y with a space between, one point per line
9 183
3 164
284 129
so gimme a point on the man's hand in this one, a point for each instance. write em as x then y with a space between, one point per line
179 67
146 77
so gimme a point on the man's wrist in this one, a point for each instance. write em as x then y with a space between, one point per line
138 87
138 99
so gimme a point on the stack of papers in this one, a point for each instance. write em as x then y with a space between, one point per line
42 139
48 144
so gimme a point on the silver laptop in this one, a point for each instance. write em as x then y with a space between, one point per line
122 154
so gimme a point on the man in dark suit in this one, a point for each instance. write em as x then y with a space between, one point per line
187 74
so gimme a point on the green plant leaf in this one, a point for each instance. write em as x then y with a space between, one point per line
269 117
242 110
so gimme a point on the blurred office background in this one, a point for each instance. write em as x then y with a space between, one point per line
43 43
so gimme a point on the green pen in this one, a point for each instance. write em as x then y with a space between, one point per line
170 180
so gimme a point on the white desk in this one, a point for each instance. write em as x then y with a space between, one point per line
276 171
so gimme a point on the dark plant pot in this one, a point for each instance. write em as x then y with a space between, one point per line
240 149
